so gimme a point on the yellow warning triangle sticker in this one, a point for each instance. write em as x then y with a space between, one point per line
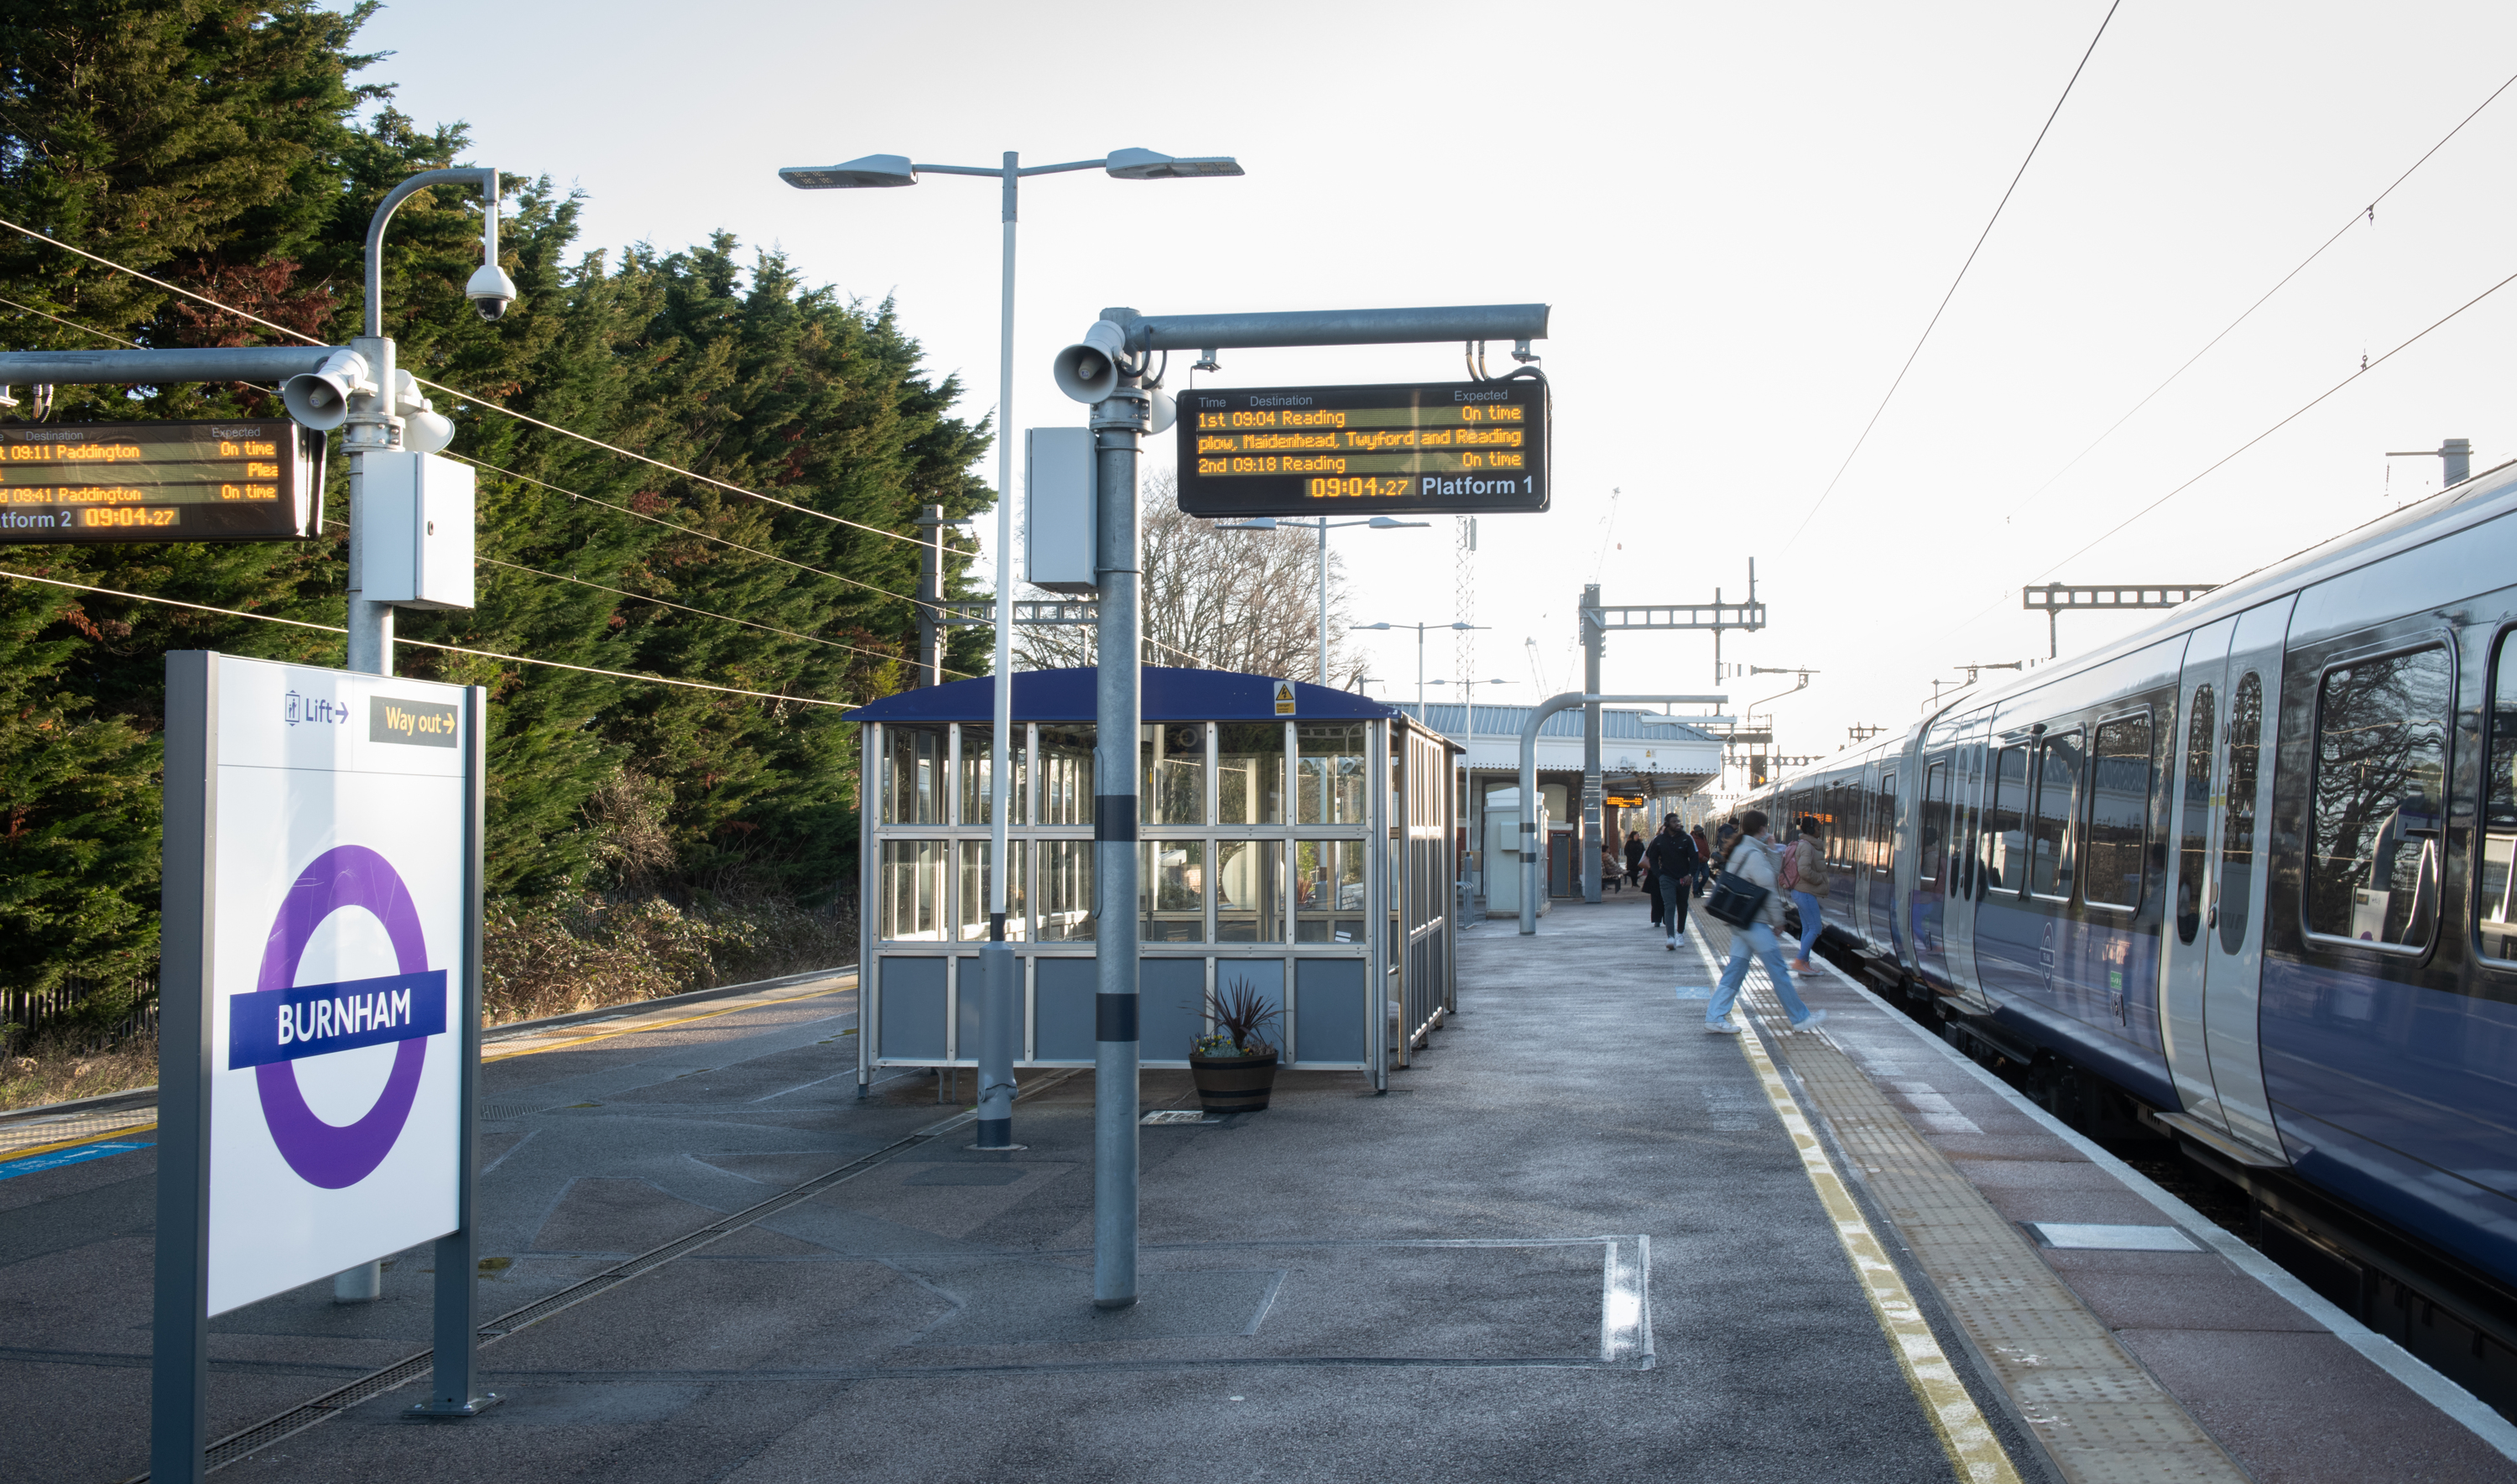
1283 698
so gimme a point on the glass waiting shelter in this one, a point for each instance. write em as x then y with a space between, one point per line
1258 824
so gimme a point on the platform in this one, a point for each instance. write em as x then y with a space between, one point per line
1579 1238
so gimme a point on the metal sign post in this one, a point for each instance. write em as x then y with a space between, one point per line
1105 371
320 1003
1529 842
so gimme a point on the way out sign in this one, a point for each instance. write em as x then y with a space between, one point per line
319 996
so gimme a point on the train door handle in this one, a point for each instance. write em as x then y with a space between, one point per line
2211 917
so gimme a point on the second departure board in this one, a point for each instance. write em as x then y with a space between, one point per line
1465 447
226 480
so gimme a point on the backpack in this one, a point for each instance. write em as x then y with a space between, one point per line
1790 875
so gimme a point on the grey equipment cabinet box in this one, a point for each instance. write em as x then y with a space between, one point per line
418 547
1059 526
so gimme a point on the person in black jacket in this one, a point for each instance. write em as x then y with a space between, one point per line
1673 863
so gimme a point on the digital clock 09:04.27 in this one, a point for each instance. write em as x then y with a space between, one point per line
1449 448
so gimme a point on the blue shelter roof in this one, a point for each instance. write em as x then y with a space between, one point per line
1170 695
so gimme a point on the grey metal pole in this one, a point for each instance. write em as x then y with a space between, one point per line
371 427
1118 716
1420 674
931 595
180 1356
1323 600
1593 640
1001 1006
1529 778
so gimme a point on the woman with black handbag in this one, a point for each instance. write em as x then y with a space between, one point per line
1744 896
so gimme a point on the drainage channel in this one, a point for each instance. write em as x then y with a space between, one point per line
411 1368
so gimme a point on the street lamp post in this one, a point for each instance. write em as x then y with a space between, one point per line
1420 629
1323 524
999 1005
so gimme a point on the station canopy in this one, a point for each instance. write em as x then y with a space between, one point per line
1169 695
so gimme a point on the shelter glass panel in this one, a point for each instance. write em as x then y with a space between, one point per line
1250 772
912 886
2005 823
2194 842
1327 884
2049 824
1250 891
971 888
1066 774
912 783
2372 864
1170 891
1175 772
2118 820
1065 891
977 758
1331 760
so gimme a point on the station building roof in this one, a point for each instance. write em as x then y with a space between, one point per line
1169 695
1616 724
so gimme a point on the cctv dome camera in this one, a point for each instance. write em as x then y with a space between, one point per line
490 292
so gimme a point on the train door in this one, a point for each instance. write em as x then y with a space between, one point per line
1928 904
2193 828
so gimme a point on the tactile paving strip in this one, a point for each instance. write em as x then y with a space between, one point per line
2100 1417
37 1136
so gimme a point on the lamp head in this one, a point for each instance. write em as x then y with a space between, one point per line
1148 165
872 170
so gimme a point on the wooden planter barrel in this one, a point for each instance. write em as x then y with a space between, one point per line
1233 1084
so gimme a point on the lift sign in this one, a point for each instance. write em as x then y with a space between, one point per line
1448 449
215 481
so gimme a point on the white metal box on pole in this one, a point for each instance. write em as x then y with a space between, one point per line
1060 530
417 549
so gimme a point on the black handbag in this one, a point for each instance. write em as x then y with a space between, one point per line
1734 898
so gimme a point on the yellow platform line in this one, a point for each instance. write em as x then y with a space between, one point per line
85 1138
664 1025
1974 1452
485 1059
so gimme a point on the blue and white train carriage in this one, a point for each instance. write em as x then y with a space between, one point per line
2245 877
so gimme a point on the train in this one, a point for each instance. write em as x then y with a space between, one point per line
2243 879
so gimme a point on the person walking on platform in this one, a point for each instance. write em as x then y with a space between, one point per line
1805 878
1753 861
1673 863
1633 855
1703 859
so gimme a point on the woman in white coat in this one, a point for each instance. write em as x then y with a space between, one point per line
1753 861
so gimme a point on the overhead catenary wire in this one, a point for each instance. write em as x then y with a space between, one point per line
451 649
471 396
2359 214
1981 237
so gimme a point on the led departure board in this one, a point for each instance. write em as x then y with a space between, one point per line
1451 448
220 481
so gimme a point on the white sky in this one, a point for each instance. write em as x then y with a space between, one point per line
1743 216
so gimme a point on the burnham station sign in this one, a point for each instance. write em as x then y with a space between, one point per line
1467 448
226 480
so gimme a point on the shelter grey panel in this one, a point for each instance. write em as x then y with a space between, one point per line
913 1007
1065 991
1172 1012
1328 1000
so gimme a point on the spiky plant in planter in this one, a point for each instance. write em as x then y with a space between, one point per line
1235 1068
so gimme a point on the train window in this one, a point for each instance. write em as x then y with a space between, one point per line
2238 811
2374 818
2119 813
2495 910
2049 823
2005 837
1935 820
2196 841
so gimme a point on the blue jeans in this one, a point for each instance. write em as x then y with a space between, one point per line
1811 923
1760 938
1673 904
